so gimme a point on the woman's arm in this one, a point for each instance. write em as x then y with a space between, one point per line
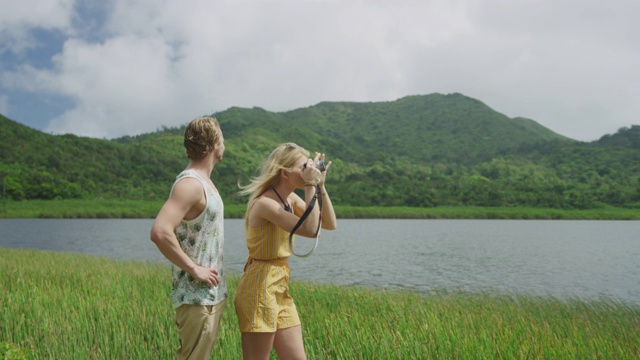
270 210
329 221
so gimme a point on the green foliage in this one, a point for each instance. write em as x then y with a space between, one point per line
626 137
10 351
95 209
419 151
139 209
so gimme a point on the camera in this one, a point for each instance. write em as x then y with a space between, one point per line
320 165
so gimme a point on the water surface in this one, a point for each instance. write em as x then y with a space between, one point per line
583 259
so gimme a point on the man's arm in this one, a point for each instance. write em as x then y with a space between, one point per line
186 196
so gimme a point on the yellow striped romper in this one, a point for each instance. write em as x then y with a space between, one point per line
262 299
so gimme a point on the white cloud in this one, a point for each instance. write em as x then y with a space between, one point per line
18 18
570 65
124 85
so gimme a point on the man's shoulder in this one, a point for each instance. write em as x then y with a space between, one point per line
188 182
188 188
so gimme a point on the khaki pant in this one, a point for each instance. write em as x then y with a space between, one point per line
198 329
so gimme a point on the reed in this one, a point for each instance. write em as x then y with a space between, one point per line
71 306
121 208
477 212
93 209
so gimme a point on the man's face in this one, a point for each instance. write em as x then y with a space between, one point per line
218 149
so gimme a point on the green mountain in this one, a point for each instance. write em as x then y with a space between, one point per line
625 138
425 150
425 129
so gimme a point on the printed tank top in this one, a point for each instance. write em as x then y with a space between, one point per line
202 239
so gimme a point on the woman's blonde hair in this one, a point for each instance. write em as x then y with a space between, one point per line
201 136
282 157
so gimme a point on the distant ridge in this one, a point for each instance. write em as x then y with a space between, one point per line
419 150
425 128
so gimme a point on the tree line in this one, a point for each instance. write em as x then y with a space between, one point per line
577 177
421 151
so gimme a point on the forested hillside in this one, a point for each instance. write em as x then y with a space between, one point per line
428 150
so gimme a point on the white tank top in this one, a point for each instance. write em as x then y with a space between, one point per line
202 239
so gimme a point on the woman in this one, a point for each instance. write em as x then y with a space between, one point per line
266 313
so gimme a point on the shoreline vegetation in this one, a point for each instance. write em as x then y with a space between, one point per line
76 306
129 209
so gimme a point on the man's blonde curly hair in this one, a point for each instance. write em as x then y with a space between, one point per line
201 136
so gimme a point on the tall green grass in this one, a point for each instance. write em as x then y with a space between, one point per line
71 306
93 209
477 212
121 208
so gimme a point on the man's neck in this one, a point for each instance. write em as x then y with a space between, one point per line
203 167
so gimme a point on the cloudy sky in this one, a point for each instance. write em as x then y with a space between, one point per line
124 67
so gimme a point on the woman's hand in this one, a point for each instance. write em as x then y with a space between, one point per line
310 174
323 175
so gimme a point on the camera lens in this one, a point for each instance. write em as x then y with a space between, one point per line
322 166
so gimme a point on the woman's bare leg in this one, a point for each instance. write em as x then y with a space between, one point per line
256 346
288 343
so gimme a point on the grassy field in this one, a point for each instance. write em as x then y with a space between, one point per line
72 306
115 208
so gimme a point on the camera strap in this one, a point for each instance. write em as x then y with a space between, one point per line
316 197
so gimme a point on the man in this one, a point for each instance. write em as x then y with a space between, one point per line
189 231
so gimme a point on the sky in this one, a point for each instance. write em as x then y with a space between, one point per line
109 68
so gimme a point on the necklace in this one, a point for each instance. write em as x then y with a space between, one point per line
287 208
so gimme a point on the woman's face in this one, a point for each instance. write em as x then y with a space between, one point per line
295 175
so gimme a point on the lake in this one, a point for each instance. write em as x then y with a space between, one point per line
565 259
